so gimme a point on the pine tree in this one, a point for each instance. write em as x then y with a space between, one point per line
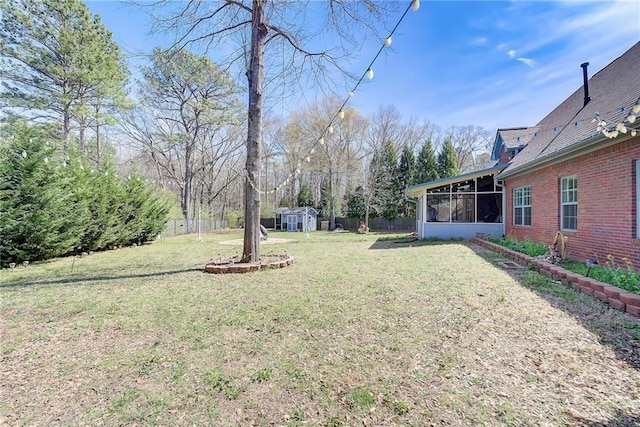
406 176
447 161
355 202
37 210
390 184
59 61
305 198
426 164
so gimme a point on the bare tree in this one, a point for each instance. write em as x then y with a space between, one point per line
185 121
267 22
387 124
468 142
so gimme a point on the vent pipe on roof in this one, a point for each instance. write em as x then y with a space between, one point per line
586 83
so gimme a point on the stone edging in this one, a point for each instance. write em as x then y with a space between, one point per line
227 266
614 296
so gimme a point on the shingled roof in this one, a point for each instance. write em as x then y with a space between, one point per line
613 91
517 137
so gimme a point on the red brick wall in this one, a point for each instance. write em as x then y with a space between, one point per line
606 204
504 156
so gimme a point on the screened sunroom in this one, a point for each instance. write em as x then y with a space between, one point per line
463 206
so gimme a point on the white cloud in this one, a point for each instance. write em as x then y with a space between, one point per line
512 53
527 61
479 41
501 46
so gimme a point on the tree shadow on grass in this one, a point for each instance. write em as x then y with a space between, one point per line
395 242
620 419
21 283
614 329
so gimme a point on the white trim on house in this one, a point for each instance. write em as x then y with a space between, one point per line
524 197
571 200
467 206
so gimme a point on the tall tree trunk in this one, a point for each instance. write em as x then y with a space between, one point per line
66 128
186 193
251 250
98 153
332 208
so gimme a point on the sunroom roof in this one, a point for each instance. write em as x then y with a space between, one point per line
417 189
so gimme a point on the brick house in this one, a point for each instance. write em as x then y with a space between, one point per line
572 178
564 174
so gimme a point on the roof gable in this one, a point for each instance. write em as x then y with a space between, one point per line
295 211
511 139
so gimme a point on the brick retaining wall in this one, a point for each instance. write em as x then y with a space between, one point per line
617 298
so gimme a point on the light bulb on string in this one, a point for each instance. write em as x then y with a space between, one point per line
45 160
621 128
341 114
387 42
24 154
313 150
297 171
350 94
370 74
415 5
636 109
330 129
321 141
633 132
631 118
308 159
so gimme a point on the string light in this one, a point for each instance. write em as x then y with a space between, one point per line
370 74
612 131
415 5
340 112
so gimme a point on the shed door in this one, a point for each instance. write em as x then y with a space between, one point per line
292 223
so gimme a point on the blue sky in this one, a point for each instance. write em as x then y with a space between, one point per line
485 63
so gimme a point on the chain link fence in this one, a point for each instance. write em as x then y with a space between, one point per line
177 227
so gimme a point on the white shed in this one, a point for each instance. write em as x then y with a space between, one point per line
296 219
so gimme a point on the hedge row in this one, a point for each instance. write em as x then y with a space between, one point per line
53 204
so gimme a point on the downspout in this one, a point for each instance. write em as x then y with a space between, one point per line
503 187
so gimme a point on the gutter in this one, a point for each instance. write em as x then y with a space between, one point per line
504 204
586 146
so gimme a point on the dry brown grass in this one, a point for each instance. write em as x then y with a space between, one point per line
361 330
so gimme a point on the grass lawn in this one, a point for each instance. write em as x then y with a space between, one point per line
362 330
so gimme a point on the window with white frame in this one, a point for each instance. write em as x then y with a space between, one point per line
522 205
569 203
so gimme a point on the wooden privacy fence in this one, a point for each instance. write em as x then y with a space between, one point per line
405 223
